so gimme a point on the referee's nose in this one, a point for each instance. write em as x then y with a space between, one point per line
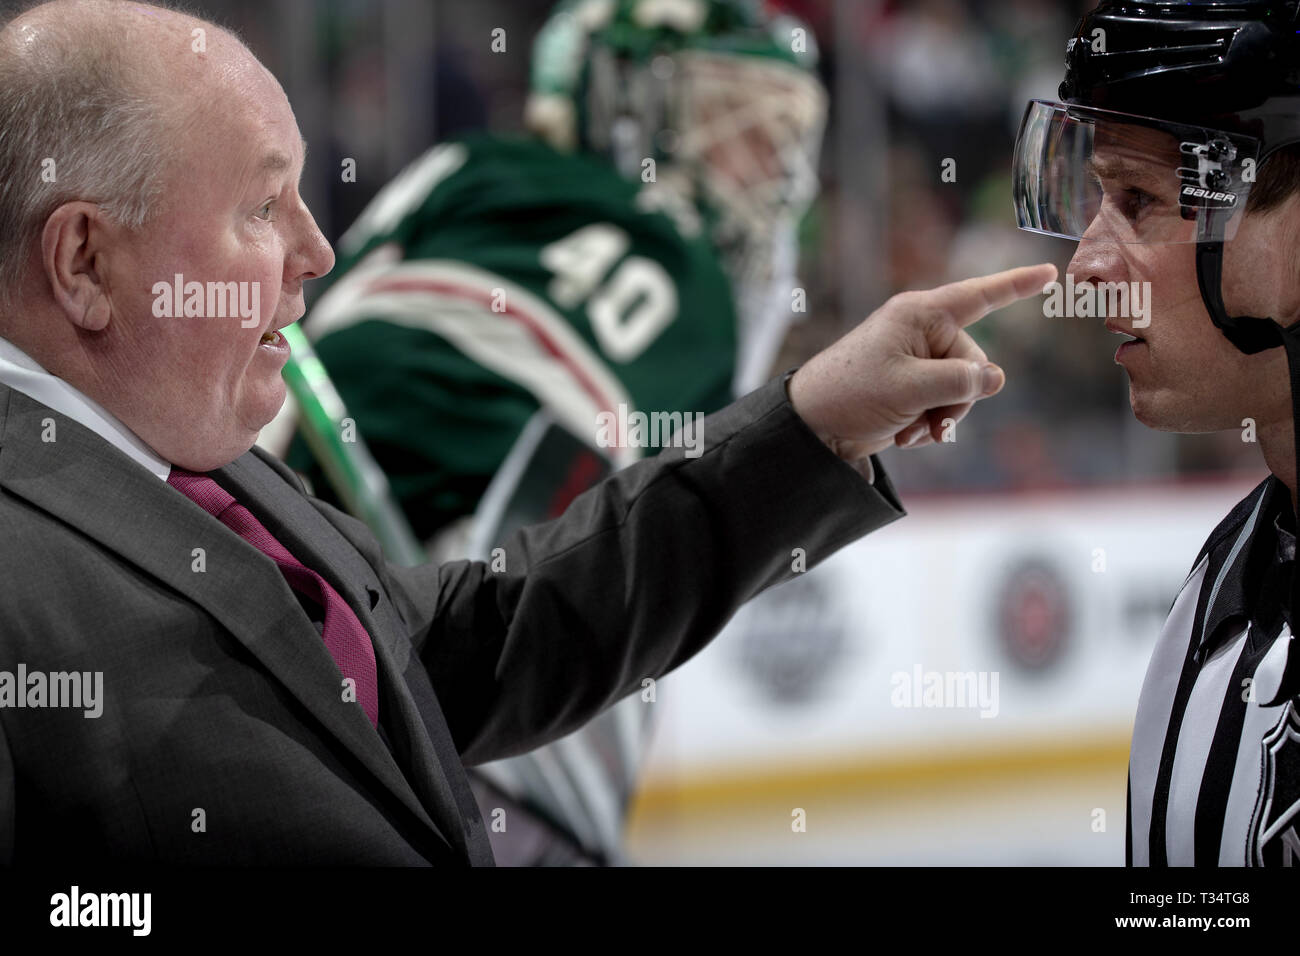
1096 261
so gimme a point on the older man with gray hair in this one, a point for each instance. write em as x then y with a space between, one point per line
273 690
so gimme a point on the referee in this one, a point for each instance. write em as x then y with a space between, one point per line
1175 159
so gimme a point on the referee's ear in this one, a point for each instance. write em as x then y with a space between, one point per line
1276 195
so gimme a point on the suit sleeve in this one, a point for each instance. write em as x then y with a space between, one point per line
634 578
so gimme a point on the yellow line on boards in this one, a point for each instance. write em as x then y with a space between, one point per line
860 776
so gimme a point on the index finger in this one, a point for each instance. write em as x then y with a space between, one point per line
972 299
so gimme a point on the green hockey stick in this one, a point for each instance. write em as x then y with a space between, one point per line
348 465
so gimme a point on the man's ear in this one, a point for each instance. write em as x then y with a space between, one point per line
72 252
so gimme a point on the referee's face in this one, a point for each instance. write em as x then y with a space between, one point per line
1184 375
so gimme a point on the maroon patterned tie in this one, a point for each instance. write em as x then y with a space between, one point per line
345 637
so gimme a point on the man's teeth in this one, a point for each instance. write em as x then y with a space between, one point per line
268 338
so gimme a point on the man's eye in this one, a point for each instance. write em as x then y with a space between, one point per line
1137 201
264 212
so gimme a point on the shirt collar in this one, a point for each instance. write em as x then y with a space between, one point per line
1240 566
24 374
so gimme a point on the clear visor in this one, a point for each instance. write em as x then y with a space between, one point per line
1084 173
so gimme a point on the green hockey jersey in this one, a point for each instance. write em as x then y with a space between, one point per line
495 277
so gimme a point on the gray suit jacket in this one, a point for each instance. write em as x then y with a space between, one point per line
224 735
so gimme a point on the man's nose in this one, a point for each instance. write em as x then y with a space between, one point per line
1095 260
313 258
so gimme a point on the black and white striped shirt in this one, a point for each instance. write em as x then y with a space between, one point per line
1214 771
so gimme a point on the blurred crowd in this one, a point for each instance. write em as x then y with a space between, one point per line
949 79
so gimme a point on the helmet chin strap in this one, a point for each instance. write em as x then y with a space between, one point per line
1250 335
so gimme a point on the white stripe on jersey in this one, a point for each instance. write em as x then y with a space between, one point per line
1194 739
1246 774
1225 781
562 372
1154 707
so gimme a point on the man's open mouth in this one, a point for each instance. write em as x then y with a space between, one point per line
272 337
1124 332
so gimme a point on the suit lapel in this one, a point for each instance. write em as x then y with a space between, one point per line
330 554
84 481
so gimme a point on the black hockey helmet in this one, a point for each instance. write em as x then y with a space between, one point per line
1221 78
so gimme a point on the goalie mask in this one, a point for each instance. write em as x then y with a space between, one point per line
715 98
716 106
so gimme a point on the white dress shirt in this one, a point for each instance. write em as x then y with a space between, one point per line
24 374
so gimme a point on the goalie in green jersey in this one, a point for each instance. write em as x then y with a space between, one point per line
636 254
